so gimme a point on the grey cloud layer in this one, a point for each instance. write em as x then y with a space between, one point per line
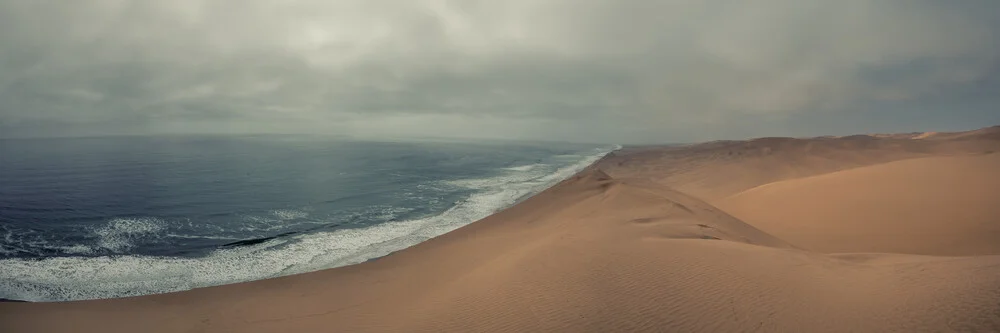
614 69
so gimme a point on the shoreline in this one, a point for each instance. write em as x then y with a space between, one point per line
642 237
550 179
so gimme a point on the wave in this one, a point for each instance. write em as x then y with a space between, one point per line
6 247
274 220
254 241
120 234
123 235
116 235
78 278
523 168
288 214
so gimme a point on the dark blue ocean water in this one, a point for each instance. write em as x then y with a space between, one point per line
90 218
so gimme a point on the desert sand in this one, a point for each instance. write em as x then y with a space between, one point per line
835 234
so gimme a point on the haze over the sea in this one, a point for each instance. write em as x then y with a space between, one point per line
629 71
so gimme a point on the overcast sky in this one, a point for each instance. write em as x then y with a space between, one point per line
579 70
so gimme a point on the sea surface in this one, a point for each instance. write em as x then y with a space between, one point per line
88 218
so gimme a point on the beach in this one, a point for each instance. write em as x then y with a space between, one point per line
865 233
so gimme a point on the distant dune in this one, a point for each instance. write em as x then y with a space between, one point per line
636 243
718 169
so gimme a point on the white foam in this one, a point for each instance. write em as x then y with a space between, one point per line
115 235
288 214
524 168
172 235
76 278
77 249
8 241
119 234
273 220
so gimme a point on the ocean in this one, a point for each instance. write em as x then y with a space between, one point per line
89 218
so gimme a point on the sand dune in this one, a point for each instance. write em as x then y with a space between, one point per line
990 133
716 170
934 205
640 250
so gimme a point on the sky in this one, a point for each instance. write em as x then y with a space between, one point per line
614 71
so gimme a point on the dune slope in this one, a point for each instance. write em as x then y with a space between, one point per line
943 205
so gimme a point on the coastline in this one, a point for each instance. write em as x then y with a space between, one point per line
305 252
633 241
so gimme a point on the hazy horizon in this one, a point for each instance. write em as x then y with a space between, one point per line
629 72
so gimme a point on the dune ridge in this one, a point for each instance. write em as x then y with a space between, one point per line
634 243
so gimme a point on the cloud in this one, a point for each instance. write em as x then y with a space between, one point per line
599 70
